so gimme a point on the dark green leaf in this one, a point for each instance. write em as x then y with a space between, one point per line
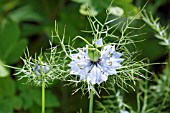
51 99
25 13
8 87
16 52
6 106
27 100
36 95
11 48
35 109
9 35
16 102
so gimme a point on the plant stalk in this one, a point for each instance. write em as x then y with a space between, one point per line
43 84
91 102
43 97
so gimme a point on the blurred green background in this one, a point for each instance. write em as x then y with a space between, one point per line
28 23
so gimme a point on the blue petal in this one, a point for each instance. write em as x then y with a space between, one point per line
116 54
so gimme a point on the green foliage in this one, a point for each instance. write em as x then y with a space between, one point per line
156 99
31 96
160 31
26 99
11 46
10 35
111 103
8 87
8 100
9 104
149 98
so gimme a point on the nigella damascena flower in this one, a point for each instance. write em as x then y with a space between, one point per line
38 71
96 71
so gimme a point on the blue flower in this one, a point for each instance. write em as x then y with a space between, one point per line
95 72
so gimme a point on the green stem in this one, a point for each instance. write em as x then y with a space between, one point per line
91 102
43 97
43 83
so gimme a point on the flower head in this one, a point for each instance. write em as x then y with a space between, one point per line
95 71
41 69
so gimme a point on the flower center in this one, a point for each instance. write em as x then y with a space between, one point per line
95 62
94 54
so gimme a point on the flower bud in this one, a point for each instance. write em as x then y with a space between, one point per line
37 69
99 42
